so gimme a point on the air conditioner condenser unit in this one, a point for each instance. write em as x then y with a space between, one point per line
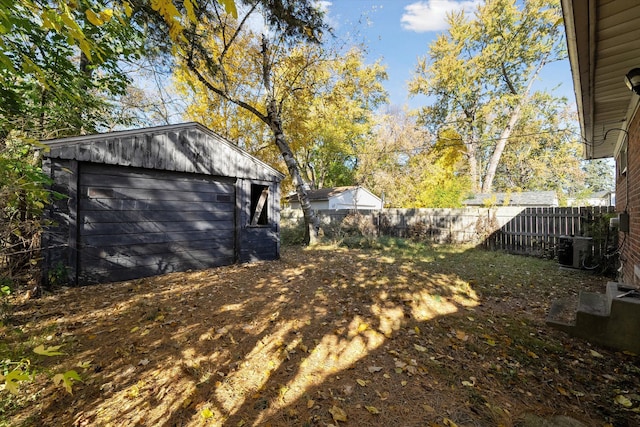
574 250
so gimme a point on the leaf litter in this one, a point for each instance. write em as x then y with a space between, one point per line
416 336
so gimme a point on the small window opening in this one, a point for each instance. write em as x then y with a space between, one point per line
622 160
259 205
100 193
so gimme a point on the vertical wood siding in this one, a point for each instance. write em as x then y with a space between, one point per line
537 231
524 231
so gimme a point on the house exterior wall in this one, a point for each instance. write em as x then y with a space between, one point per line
316 204
135 222
355 199
368 200
345 200
359 198
628 199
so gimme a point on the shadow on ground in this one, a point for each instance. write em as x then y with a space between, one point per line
390 336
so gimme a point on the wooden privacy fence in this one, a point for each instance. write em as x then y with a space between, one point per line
537 231
517 230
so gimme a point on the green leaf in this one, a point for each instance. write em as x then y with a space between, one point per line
66 380
230 7
49 351
13 378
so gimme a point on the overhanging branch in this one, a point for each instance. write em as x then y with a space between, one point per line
224 94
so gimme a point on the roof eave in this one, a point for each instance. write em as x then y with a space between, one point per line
578 33
61 142
602 43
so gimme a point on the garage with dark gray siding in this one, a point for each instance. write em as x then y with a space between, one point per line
151 201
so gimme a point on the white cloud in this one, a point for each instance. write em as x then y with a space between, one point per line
323 5
329 18
257 24
431 15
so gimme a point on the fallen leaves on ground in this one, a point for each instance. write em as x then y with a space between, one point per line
411 335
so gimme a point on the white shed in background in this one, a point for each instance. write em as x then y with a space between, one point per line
337 198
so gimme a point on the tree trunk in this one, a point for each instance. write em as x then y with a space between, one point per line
473 166
487 184
502 143
275 123
310 220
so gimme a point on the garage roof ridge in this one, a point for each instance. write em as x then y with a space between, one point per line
70 140
82 139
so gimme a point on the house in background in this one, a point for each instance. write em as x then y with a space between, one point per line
337 198
518 199
157 200
600 198
603 41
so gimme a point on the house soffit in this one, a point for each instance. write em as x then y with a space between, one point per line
603 38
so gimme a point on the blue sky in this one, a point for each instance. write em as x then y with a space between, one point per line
399 32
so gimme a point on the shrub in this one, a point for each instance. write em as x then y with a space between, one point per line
357 224
292 233
23 197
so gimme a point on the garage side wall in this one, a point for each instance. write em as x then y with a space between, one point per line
59 239
144 222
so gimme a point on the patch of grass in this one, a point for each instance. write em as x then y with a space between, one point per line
520 332
19 343
292 235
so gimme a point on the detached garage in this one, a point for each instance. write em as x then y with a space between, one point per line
151 201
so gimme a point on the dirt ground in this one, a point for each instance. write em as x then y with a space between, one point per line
399 335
